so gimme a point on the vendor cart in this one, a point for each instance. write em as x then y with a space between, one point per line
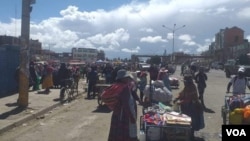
159 125
226 109
99 89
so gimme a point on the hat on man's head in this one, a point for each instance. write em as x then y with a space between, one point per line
122 73
241 70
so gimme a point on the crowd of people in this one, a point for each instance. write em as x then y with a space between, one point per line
124 117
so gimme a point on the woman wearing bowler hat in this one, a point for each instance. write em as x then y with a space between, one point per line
123 125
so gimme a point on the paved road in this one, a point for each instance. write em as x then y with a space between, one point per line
83 120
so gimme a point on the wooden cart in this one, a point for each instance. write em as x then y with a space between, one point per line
99 89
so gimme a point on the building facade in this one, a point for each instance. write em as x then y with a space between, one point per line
88 55
35 46
229 44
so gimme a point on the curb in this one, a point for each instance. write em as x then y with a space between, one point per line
32 116
27 118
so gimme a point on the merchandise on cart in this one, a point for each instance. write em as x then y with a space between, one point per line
236 109
159 122
158 92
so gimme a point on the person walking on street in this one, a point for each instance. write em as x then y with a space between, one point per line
200 79
183 68
63 74
107 72
47 78
33 76
142 83
92 79
239 83
123 125
153 72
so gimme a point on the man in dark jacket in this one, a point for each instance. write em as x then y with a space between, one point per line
33 76
92 79
200 79
63 74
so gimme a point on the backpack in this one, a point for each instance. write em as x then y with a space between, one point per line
235 78
110 94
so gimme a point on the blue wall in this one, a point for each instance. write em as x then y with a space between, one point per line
9 61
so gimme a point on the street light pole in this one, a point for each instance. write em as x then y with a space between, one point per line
173 32
23 97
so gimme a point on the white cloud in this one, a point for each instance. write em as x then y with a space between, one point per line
132 51
136 27
11 29
221 10
151 39
248 37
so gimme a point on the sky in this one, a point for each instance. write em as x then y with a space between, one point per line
124 27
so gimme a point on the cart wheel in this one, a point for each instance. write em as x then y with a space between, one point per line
99 100
224 115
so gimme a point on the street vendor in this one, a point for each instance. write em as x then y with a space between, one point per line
190 104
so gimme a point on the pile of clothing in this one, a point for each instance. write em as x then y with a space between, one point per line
158 92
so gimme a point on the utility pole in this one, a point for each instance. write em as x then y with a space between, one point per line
173 32
24 54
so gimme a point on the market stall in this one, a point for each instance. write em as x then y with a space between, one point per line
161 123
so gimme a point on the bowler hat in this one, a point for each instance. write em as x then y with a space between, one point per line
122 73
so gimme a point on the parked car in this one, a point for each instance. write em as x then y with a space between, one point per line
231 68
205 68
217 65
144 66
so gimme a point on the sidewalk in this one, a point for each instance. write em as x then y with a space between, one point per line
12 116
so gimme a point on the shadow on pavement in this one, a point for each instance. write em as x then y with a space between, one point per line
15 111
56 99
102 109
207 110
42 92
12 104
